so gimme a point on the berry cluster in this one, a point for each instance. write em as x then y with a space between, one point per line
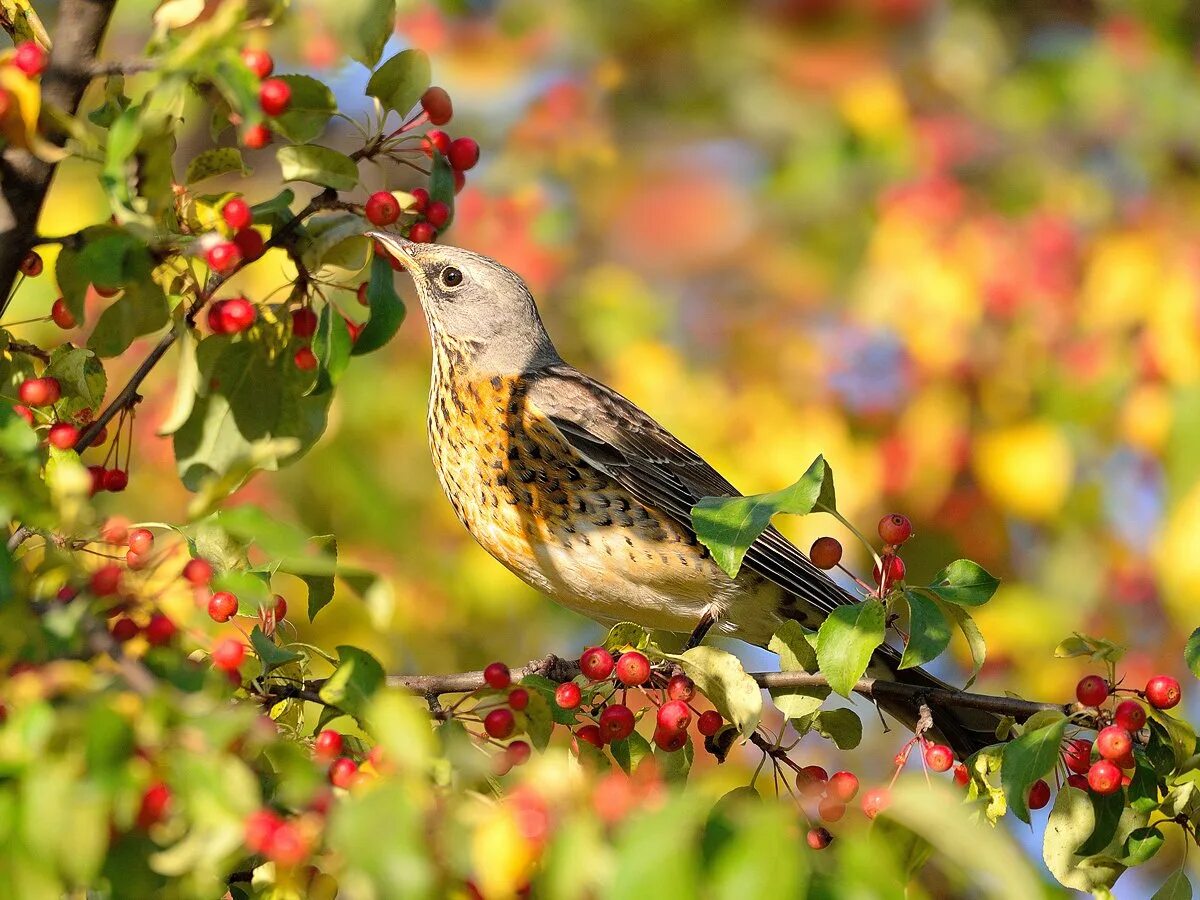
894 530
274 97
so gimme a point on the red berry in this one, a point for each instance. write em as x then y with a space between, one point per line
939 757
567 695
518 753
135 561
497 676
280 610
819 838
250 244
1163 692
830 810
274 96
680 687
843 786
590 734
228 653
962 775
106 293
1092 690
1130 715
673 716
256 137
460 181
288 845
222 606
159 630
116 480
895 529
518 698
305 359
1114 742
825 553
115 530
894 567
24 412
31 265
30 59
328 744
421 198
710 722
876 801
342 771
633 668
1039 795
223 257
1078 781
156 801
1077 754
63 435
304 322
61 315
361 293
237 314
616 723
97 473
39 391
596 663
436 140
436 103
438 214
499 723
237 214
124 630
670 741
198 572
259 62
66 594
101 437
140 540
463 154
1104 777
260 827
382 208
422 233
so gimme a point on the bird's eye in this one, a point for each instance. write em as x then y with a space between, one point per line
451 277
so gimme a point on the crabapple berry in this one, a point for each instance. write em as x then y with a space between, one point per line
680 687
819 838
25 413
63 435
1078 781
1077 754
140 540
123 630
633 668
342 771
222 606
518 753
962 775
497 676
518 699
825 553
1114 742
422 233
939 757
256 137
305 359
382 208
223 257
237 314
1130 715
463 154
710 722
830 809
438 214
436 103
274 96
228 653
237 214
260 826
843 786
62 315
1092 690
198 571
616 723
674 716
39 391
1039 795
670 741
259 62
590 734
420 199
97 473
116 480
250 244
567 695
1163 692
31 265
115 530
596 663
499 723
1104 777
156 801
876 801
101 437
304 322
30 59
894 566
436 140
328 744
288 845
895 529
159 630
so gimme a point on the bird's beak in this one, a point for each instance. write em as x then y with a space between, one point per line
398 247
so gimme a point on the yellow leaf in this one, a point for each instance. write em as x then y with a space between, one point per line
19 124
1026 469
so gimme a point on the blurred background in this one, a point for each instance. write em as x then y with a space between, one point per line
951 246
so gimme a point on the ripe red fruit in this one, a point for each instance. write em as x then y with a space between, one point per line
1039 795
1163 692
830 810
135 561
256 137
1078 781
421 196
156 801
30 59
876 801
518 698
304 322
670 741
436 140
518 753
463 154
843 786
274 96
97 473
1092 690
124 630
115 530
1077 754
710 722
260 827
116 480
499 723
1114 742
231 316
616 723
382 208
596 663
361 293
1130 715
680 687
328 744
222 606
342 771
633 668
894 566
305 359
63 435
567 695
223 257
259 62
825 553
939 757
250 244
198 572
106 580
1104 777
422 233
106 293
39 391
288 845
818 838
962 774
159 630
590 734
228 653
31 265
497 676
280 609
237 214
61 315
24 412
673 716
101 437
437 105
438 214
895 529
140 540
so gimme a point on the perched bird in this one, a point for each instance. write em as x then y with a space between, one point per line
584 496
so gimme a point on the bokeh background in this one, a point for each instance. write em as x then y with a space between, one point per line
951 246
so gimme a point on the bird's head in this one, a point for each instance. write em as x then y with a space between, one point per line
476 303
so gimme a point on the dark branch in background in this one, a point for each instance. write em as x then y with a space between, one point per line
25 179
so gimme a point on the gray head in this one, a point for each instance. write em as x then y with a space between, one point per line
476 303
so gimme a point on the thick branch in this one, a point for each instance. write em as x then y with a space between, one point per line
25 179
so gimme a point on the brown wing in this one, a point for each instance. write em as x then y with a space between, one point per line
616 437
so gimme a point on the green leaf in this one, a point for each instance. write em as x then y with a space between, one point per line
251 589
750 864
1099 649
387 309
630 751
1179 734
720 677
1142 793
1142 844
187 383
842 726
964 582
140 310
929 632
312 106
270 654
399 83
356 679
796 654
320 587
539 720
727 526
545 688
214 162
1071 822
674 765
441 185
335 240
317 165
1177 887
274 212
846 640
1029 757
970 631
1106 811
331 344
626 635
1191 653
363 28
81 376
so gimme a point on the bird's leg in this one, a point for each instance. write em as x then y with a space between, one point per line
707 621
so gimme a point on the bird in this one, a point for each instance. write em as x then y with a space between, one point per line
585 497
